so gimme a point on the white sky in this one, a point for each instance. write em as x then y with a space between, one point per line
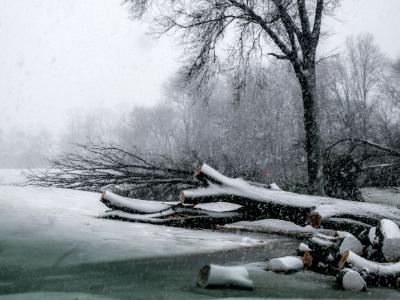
64 56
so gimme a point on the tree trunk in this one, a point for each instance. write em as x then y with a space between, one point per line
313 142
259 203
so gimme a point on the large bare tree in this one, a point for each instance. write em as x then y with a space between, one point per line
248 30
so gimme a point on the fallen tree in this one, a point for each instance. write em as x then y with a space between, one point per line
99 167
301 209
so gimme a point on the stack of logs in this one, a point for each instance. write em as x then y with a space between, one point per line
358 242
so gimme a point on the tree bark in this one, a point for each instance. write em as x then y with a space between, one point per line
313 142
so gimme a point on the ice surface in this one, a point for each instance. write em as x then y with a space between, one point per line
53 296
65 224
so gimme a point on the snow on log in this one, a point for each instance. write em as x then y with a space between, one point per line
286 264
218 206
374 273
135 206
157 218
372 236
351 243
349 279
274 226
304 248
213 276
284 205
273 186
388 237
357 228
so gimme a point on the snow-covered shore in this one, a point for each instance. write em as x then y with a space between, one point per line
60 227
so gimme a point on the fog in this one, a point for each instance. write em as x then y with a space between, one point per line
67 60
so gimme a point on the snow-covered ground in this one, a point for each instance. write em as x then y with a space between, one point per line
61 227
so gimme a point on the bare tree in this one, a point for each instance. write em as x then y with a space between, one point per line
246 29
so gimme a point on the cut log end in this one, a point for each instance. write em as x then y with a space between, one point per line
315 220
343 260
182 197
202 279
197 172
348 279
307 260
103 196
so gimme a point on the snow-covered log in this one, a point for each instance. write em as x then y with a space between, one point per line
205 215
374 273
286 264
357 228
135 206
180 217
388 238
349 279
268 203
213 276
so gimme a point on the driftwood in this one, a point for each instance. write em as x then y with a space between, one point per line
301 209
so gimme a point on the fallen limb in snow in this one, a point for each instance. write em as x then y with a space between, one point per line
266 203
172 218
135 206
213 276
376 274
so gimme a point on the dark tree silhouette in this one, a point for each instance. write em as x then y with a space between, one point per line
247 28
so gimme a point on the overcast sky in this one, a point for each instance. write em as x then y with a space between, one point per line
58 57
